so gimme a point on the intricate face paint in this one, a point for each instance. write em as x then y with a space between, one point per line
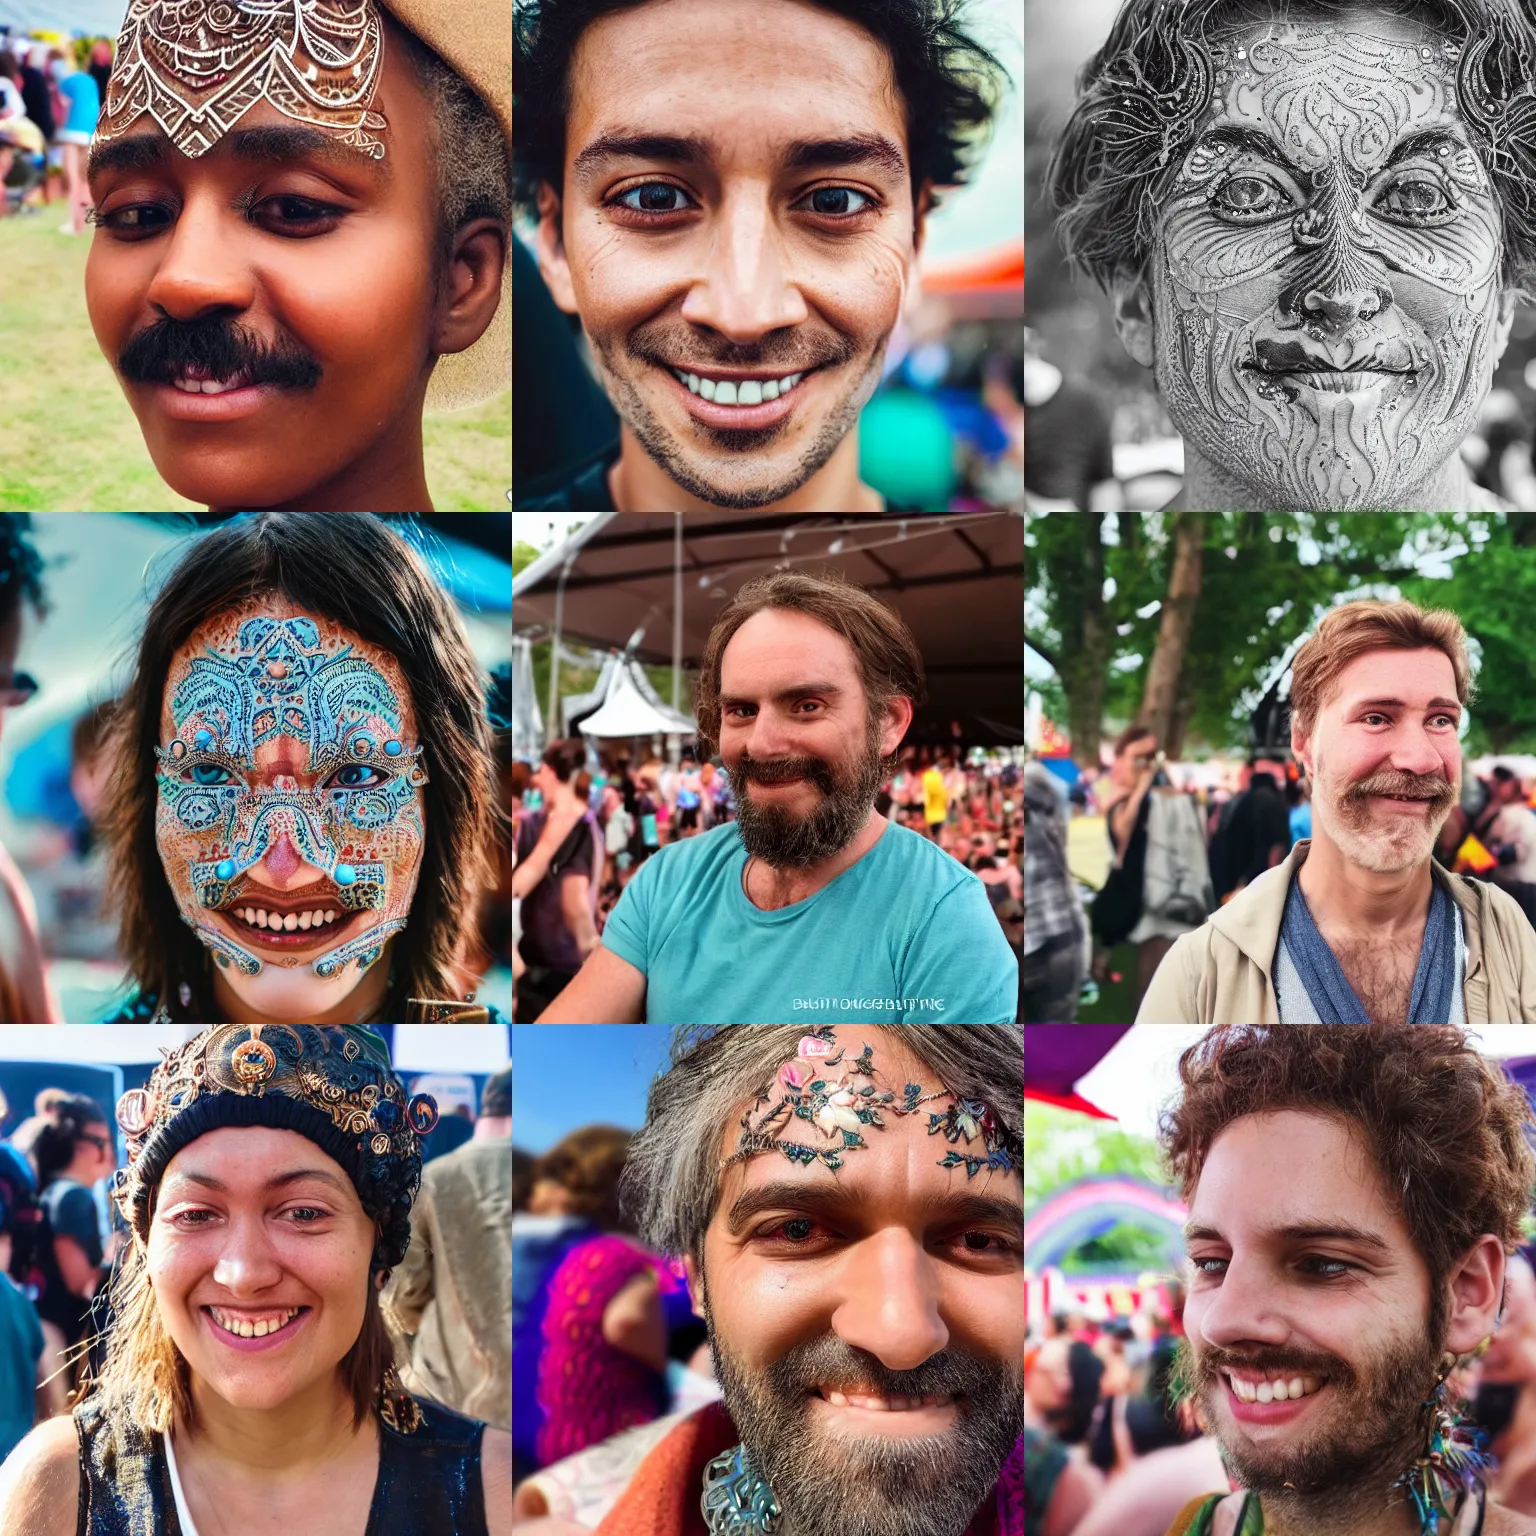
197 66
838 1098
1327 279
289 742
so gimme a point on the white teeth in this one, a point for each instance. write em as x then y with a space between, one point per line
330 914
770 389
748 392
1297 1387
707 388
1265 1393
261 918
725 392
1281 1390
692 381
304 918
736 392
286 922
209 386
290 923
246 1329
895 1404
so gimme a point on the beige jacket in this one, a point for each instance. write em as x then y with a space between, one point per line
1220 973
452 1295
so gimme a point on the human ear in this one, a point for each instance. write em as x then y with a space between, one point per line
1509 302
1301 748
476 268
1476 1287
695 1286
549 242
1133 317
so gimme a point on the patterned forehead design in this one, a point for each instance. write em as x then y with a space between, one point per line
198 66
837 1097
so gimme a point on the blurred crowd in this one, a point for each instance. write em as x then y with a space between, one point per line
1182 839
51 93
583 826
1113 1451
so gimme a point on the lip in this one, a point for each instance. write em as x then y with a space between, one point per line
234 405
1269 1413
1402 806
742 417
255 1346
285 942
780 784
905 1424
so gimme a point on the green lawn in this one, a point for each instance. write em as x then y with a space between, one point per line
69 443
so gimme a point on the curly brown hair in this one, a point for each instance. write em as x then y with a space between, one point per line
1446 1128
587 1164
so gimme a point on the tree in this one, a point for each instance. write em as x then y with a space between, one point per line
1159 702
1061 1147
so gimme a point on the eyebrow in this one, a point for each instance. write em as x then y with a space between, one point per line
838 1200
786 695
277 1181
868 149
1422 142
277 144
1333 1231
1448 706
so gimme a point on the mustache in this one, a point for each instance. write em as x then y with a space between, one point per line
1210 1362
1388 355
780 770
218 349
829 1362
1433 787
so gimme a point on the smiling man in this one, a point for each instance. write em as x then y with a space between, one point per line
848 1207
1359 923
810 905
1314 223
1327 1309
731 198
302 214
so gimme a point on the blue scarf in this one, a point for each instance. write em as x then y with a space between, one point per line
1328 987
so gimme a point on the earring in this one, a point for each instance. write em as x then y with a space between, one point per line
396 1406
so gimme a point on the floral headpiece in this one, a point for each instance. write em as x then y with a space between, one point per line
837 1096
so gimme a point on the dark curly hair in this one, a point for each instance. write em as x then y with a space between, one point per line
1142 96
950 84
1446 1128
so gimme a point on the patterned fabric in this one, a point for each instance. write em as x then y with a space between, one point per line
144 1008
588 1390
429 1483
1051 907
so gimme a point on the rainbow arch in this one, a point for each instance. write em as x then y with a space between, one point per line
1090 1207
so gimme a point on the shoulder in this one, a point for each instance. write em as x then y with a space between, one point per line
1507 1522
922 854
496 1479
40 1481
692 858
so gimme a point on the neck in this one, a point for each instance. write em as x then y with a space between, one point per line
769 888
359 1006
1359 1510
493 1128
309 1430
389 475
1207 488
1348 899
637 483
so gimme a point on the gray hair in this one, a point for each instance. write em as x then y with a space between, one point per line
672 1175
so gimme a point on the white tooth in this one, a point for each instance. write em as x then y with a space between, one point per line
1280 1391
693 382
188 386
330 914
261 917
1264 1393
304 919
838 1399
247 1331
749 392
290 922
707 388
770 389
725 392
790 382
1298 1387
260 1330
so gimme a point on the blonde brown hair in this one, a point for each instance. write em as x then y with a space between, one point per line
1355 628
148 1378
890 663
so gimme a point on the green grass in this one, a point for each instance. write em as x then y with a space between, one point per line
68 441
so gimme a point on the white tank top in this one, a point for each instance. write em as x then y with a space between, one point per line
183 1514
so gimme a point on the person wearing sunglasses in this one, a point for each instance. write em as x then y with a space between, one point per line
26 994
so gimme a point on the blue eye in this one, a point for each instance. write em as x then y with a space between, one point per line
210 773
357 776
832 202
653 198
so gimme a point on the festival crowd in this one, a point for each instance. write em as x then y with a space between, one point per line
49 104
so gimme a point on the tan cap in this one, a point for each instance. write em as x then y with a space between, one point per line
474 37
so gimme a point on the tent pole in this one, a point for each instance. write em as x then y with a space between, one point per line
551 727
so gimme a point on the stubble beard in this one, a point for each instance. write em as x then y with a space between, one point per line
784 839
828 1485
1352 1456
1345 815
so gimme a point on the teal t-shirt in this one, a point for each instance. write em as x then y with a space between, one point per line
904 936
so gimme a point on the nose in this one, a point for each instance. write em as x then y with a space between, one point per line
1414 752
1244 1310
1339 309
744 290
247 1265
890 1302
200 272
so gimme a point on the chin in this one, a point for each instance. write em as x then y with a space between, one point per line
295 995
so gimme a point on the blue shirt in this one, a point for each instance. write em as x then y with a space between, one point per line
904 936
21 1347
84 101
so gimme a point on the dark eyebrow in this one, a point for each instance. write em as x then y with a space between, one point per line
840 1200
1449 706
1424 142
276 144
689 149
277 1181
787 695
1251 139
1336 1231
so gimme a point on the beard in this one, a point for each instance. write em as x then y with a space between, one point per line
785 839
834 1485
1353 1448
1386 846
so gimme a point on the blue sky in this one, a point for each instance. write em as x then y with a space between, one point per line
569 1075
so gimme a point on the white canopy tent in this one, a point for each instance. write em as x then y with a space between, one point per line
627 706
99 18
527 723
